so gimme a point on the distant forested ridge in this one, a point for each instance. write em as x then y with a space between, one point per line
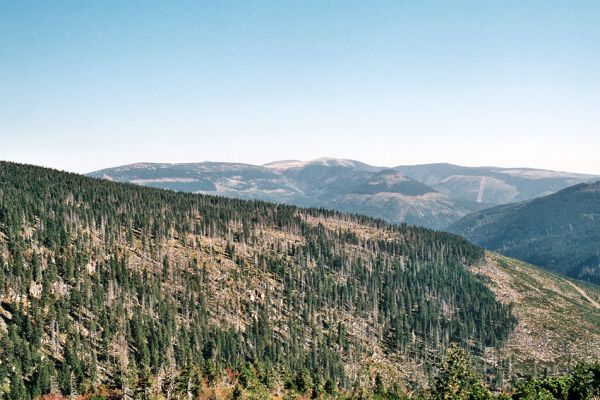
560 232
106 284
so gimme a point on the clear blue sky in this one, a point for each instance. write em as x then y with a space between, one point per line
92 84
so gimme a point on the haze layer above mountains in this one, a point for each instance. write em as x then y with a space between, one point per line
431 195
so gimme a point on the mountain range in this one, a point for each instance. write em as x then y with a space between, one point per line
431 195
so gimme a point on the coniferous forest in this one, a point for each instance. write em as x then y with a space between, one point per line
114 290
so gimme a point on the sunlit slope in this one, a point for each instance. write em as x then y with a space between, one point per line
558 319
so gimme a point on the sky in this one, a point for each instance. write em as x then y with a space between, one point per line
86 85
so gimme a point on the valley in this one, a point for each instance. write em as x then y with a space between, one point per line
559 232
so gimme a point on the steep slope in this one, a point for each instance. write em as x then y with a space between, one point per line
558 319
492 185
109 284
560 232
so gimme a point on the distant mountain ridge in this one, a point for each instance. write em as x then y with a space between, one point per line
560 232
493 185
432 195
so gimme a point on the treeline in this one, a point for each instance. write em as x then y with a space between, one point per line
128 288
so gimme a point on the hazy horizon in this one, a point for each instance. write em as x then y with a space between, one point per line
508 84
339 158
305 160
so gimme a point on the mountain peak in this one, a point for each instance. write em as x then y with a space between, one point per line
324 161
284 164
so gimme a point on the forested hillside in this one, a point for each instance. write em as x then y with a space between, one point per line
559 232
138 291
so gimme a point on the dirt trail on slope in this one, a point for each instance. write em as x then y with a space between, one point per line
584 294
